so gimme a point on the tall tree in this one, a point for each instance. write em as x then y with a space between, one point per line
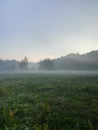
24 63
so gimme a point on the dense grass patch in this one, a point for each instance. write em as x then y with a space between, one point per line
48 102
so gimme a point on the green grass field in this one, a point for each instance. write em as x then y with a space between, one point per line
48 102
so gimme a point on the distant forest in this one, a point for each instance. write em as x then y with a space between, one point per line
88 61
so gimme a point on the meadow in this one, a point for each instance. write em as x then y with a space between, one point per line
48 102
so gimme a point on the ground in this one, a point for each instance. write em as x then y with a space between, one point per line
48 102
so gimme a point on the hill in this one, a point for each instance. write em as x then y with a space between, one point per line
88 61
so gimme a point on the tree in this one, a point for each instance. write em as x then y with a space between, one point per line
46 64
24 63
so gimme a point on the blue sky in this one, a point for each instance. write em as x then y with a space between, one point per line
47 28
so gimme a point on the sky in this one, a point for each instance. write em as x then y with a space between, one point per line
42 29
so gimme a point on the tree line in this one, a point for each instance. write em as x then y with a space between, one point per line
88 61
11 65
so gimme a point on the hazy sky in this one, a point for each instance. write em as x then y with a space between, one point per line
47 28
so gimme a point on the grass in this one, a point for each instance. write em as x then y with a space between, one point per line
48 102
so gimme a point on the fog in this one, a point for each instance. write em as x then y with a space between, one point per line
48 64
70 64
64 72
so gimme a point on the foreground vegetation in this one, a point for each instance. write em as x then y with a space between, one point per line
48 102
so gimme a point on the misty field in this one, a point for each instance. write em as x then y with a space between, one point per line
48 102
